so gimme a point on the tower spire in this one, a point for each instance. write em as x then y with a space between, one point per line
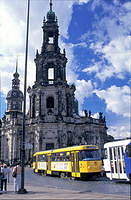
16 75
16 71
50 5
16 81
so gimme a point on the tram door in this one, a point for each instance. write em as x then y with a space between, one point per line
36 160
49 164
117 162
75 162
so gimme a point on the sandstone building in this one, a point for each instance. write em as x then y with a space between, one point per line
53 120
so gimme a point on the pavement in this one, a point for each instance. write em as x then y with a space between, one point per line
35 192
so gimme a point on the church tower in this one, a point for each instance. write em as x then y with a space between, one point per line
51 98
11 127
14 98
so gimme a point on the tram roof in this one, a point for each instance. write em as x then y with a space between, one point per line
123 142
73 148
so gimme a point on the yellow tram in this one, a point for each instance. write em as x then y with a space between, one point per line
76 161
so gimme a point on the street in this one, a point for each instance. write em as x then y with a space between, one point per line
47 187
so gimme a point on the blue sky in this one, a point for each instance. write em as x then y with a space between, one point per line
97 37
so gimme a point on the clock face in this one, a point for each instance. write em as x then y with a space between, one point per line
14 94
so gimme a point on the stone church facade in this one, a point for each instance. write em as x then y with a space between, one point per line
53 120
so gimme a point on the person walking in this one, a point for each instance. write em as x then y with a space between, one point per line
9 172
1 174
16 173
5 173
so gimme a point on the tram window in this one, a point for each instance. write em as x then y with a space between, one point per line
110 153
114 150
54 157
60 156
63 156
120 167
118 152
116 167
122 150
41 158
119 159
128 150
34 158
89 155
105 154
112 168
68 157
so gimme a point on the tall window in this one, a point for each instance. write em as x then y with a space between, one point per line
50 40
49 146
50 102
40 144
33 107
51 75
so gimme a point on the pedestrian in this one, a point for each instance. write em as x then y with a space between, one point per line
5 172
9 172
16 173
1 174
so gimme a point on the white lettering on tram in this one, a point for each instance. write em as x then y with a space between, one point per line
42 165
60 166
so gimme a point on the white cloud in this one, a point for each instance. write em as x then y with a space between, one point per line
118 53
6 77
115 59
127 5
119 131
112 41
117 99
83 90
12 37
64 15
83 1
11 42
95 115
11 29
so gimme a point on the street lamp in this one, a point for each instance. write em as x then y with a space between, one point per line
22 190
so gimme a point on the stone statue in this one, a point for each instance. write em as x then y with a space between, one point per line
89 113
86 114
100 115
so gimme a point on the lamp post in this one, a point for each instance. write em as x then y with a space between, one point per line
22 190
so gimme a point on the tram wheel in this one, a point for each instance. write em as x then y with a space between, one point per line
44 173
62 175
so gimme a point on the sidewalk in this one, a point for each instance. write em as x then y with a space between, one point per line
57 193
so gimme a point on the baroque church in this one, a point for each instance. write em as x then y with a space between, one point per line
53 120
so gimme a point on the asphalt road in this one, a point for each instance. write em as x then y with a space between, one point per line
101 185
47 187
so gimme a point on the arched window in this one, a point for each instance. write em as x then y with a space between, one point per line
50 102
